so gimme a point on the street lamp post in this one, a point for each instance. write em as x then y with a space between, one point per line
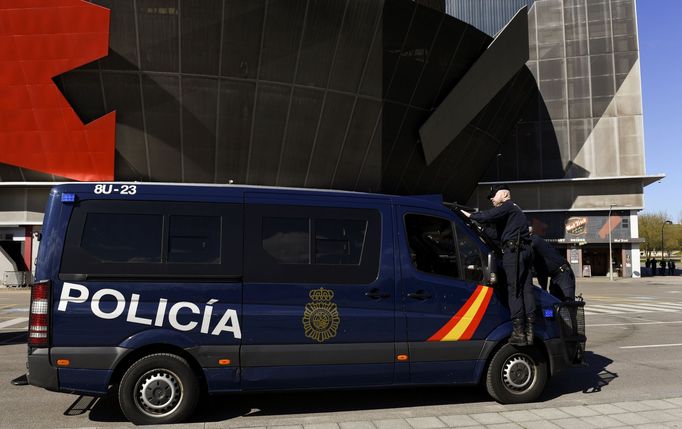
610 251
667 222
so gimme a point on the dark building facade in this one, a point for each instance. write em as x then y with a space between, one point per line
336 94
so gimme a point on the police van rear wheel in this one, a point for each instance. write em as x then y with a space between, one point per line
516 374
157 389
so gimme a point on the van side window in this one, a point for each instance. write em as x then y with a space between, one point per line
287 239
472 258
432 245
113 239
339 241
132 238
311 244
194 239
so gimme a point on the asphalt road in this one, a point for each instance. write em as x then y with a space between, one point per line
634 329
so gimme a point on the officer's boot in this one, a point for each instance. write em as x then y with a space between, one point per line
518 336
530 320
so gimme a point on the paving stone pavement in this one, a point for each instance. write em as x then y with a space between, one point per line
646 414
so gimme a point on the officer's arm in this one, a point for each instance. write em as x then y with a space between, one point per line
490 215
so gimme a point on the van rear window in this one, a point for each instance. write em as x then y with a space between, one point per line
154 239
131 238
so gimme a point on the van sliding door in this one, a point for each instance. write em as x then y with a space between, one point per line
319 293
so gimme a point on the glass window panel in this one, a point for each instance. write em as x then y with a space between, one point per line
623 9
470 253
339 241
576 48
200 24
602 86
415 53
306 107
431 245
117 237
287 240
122 36
551 69
330 139
158 38
321 32
625 43
601 64
553 89
599 105
623 27
548 13
580 108
357 32
578 88
597 10
242 31
282 35
122 92
271 114
199 99
194 239
555 50
162 114
577 67
600 46
624 61
234 130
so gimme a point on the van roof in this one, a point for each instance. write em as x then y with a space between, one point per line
186 188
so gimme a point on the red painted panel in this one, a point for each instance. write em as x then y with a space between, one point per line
39 130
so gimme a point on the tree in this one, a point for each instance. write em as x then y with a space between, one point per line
650 230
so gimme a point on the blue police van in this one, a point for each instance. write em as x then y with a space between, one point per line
159 292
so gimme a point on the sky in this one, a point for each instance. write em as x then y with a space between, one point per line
660 51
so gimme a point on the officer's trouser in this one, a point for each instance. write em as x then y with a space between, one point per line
562 285
521 297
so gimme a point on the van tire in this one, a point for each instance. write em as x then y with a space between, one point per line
171 385
516 374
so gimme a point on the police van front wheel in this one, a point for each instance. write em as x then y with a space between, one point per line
516 374
157 389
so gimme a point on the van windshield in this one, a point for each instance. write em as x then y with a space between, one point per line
473 226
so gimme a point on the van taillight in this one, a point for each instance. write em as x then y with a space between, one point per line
39 319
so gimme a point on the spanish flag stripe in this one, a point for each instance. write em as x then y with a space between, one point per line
469 332
461 327
442 332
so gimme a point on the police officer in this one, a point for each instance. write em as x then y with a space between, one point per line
512 231
549 264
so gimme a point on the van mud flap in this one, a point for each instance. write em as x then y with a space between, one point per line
571 320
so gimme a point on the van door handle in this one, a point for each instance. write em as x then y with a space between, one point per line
375 293
420 294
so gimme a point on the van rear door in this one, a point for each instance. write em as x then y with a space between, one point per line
319 292
446 308
136 273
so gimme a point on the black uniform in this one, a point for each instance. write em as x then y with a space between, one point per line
550 264
511 225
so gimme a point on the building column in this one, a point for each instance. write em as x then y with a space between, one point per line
28 247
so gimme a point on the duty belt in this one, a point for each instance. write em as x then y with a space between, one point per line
561 269
511 244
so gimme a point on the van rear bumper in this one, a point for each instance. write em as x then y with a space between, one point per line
41 373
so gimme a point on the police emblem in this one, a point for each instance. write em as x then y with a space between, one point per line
321 317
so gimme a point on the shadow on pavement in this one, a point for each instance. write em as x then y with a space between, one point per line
223 407
590 379
10 338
